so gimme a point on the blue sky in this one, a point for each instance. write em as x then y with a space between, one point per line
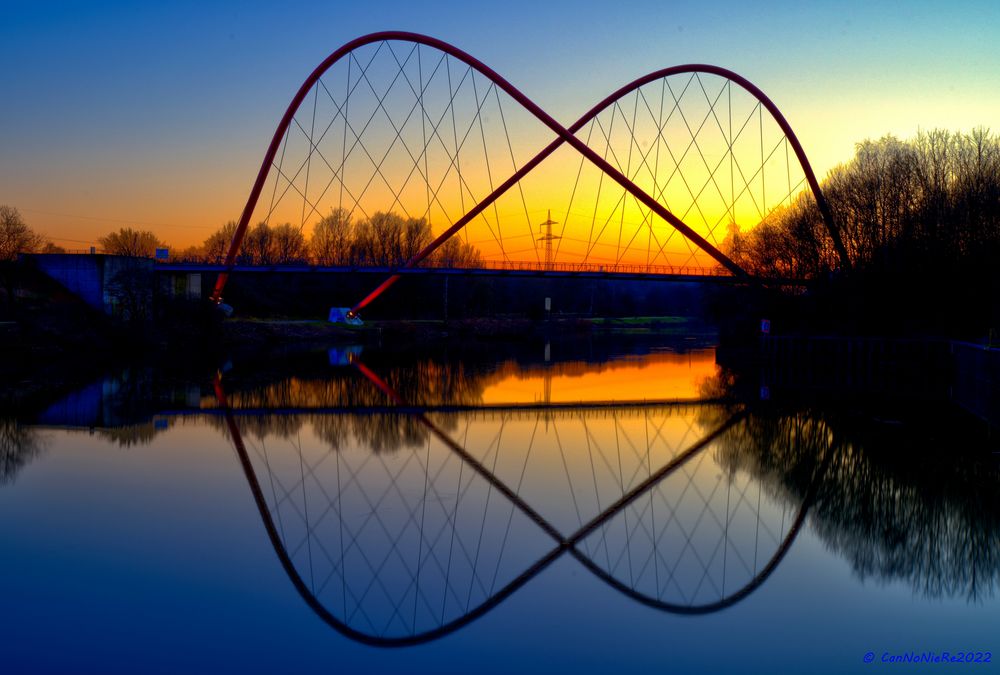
158 113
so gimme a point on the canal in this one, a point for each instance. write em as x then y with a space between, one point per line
610 504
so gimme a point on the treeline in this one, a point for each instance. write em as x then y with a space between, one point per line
383 239
899 206
16 237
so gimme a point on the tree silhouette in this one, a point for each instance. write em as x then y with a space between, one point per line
129 242
897 204
15 235
217 244
384 239
331 239
289 244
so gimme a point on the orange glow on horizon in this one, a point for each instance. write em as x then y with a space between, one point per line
661 376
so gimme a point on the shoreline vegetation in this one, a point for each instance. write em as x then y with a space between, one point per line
920 220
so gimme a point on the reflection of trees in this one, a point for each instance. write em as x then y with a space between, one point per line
127 436
128 396
423 383
381 433
427 382
936 527
898 508
783 453
264 426
384 432
18 446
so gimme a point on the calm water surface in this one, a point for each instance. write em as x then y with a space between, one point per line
348 512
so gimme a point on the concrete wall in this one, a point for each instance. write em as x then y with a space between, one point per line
82 275
182 285
92 277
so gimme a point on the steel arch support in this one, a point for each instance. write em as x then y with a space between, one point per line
563 135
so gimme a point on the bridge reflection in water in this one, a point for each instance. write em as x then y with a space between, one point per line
403 542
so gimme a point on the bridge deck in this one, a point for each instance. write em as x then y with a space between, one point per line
513 270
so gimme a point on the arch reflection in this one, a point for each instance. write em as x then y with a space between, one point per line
908 501
402 547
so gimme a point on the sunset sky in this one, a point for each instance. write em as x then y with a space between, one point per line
157 115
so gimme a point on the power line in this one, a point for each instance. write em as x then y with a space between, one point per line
72 241
113 220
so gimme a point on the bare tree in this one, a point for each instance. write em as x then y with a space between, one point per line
387 238
15 235
897 203
363 248
456 253
258 246
129 242
331 238
289 244
416 236
217 245
191 254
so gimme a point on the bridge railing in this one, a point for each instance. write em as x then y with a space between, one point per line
492 265
600 268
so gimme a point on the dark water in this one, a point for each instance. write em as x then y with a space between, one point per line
555 509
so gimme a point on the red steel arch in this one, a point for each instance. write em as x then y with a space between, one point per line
564 135
764 100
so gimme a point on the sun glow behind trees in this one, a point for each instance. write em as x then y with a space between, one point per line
408 122
337 239
932 200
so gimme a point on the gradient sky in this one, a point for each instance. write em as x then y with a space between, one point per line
157 114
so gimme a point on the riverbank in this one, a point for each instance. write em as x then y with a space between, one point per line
263 330
41 363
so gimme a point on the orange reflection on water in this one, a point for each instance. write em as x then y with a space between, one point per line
658 376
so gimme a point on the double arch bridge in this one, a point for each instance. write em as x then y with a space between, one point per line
648 181
399 524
